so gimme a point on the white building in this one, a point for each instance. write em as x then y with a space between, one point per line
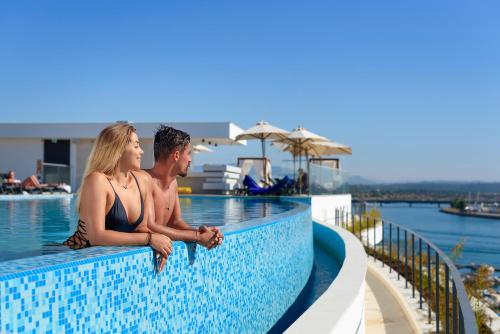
62 149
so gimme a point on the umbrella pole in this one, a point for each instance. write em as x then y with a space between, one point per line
294 167
300 158
308 174
264 161
300 166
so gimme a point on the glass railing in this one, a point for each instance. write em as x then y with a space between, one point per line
55 173
325 180
312 178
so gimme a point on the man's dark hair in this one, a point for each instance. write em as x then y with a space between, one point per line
168 139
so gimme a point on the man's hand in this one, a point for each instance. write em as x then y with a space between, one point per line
207 239
217 236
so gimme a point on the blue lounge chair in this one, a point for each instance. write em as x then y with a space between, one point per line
282 186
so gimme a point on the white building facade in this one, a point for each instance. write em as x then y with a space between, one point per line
60 150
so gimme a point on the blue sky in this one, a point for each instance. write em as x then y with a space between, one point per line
413 87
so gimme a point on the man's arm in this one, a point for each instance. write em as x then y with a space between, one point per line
177 222
204 238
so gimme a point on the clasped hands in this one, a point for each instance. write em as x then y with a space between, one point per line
209 236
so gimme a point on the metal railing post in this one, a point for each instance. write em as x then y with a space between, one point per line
447 298
397 255
360 224
429 281
461 320
413 265
420 271
352 223
437 293
368 235
406 260
390 247
374 240
454 316
383 250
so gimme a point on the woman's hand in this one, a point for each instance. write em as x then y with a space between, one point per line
163 245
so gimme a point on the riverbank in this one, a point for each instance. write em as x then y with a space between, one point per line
470 214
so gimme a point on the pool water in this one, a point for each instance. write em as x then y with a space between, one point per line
325 269
34 227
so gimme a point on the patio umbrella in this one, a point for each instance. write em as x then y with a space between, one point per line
298 141
318 149
197 148
201 148
263 131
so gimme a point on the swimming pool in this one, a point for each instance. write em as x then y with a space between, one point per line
245 285
31 227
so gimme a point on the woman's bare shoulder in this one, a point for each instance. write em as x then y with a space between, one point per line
95 177
94 192
95 180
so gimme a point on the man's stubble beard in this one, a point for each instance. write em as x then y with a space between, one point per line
184 174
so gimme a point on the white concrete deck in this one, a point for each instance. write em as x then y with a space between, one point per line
383 314
389 306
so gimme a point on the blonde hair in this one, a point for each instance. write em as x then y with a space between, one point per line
106 152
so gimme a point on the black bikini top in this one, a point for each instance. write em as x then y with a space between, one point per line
116 219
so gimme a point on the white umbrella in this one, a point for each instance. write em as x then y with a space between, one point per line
298 140
301 135
201 148
317 149
263 131
329 148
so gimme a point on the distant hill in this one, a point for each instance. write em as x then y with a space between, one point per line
359 180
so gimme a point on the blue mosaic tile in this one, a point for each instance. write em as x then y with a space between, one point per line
243 286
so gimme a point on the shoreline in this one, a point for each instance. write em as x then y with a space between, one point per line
470 214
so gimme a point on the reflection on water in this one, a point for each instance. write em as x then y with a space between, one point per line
216 212
35 227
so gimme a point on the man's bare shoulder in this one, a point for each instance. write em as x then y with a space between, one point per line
143 175
152 181
144 178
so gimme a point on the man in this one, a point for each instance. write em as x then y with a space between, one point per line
172 153
302 181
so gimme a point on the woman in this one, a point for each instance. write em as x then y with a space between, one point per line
113 199
11 178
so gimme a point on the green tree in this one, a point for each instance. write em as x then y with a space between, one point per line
458 203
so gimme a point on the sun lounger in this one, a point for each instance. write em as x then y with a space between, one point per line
32 186
282 186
